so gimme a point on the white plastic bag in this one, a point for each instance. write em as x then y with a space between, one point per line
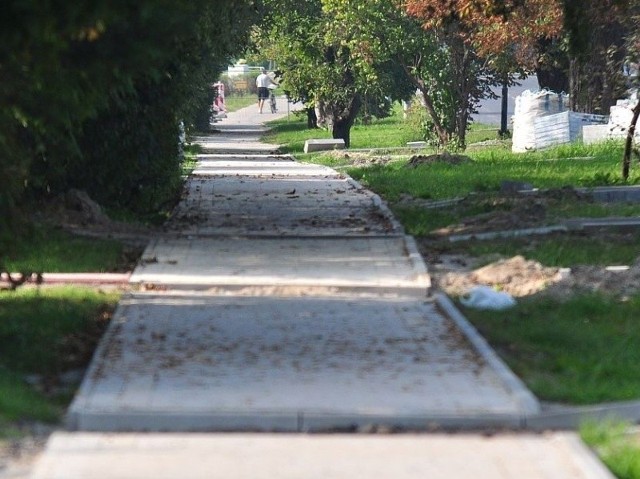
484 297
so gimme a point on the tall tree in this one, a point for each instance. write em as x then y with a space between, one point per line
322 61
503 34
449 77
312 66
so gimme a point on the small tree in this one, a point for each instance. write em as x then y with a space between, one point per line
500 37
399 57
317 46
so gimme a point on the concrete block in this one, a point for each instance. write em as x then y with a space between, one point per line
323 144
596 133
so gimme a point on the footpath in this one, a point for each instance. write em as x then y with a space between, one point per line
285 328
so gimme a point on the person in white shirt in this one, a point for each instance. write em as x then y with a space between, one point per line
263 82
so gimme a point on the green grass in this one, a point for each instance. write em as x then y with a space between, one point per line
575 164
236 102
45 332
50 250
389 132
191 152
617 447
563 250
583 350
490 168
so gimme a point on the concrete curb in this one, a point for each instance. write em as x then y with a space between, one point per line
527 400
72 417
379 203
418 262
574 417
111 279
489 235
292 422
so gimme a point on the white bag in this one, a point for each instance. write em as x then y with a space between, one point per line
484 297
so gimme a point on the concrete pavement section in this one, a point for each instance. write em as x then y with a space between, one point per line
285 297
289 363
382 263
293 301
284 456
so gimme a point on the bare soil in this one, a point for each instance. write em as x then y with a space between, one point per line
456 272
77 213
445 157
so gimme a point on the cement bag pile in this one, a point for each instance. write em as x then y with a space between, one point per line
529 106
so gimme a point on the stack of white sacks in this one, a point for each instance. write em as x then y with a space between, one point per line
542 119
619 121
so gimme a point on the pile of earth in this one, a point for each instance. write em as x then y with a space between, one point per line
444 157
79 214
360 158
456 275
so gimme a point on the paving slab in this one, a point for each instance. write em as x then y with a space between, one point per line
383 264
200 362
280 205
284 456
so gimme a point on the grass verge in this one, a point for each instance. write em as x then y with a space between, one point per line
439 180
47 249
618 448
390 132
44 333
581 350
237 102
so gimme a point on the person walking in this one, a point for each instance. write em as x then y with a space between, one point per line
263 81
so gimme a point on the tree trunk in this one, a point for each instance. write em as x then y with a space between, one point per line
312 118
504 110
321 115
443 137
343 121
462 120
626 159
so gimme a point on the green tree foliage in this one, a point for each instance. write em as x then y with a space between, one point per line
449 75
315 68
92 92
321 63
601 37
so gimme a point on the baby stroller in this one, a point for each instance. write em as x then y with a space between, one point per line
272 98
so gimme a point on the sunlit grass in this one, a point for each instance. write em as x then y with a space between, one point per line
46 249
45 332
237 102
616 444
583 350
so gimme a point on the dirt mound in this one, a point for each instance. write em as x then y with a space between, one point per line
360 159
520 277
445 157
79 214
516 276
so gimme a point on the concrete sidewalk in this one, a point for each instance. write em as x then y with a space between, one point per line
285 297
284 456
